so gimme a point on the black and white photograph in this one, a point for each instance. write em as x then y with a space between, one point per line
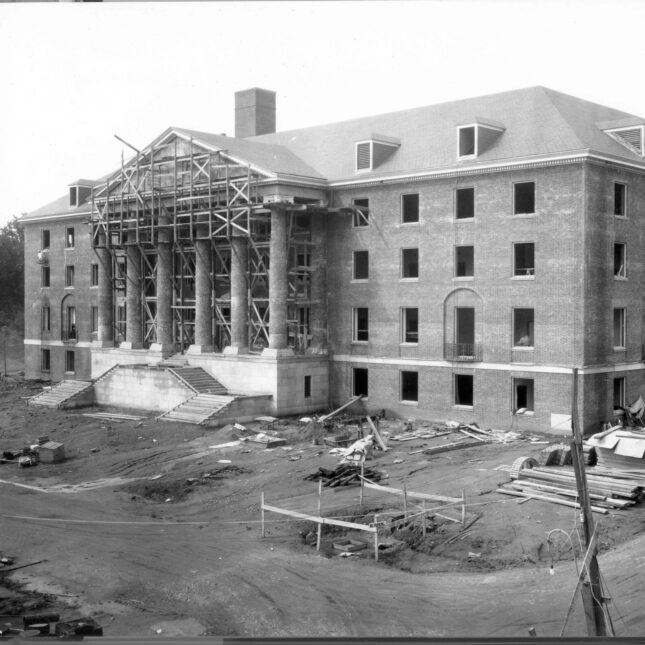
322 320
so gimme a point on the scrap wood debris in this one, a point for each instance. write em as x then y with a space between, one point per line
343 475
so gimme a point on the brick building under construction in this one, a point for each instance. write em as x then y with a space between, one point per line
454 261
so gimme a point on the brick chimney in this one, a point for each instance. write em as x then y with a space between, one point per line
254 112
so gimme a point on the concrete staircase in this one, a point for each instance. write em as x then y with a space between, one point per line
197 379
199 409
62 395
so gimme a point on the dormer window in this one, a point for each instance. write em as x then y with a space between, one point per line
371 153
633 138
79 191
73 195
475 138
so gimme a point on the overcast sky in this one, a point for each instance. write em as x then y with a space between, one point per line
73 75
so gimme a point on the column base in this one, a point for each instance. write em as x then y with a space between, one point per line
165 349
199 349
129 345
102 343
230 350
271 352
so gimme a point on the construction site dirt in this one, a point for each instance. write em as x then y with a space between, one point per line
156 528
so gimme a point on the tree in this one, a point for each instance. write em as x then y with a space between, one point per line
12 242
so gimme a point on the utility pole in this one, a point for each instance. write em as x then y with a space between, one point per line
591 591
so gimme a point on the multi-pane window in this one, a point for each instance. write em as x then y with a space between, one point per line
361 324
410 208
361 215
522 395
69 361
524 259
69 275
44 276
619 328
465 203
620 199
361 268
410 386
360 381
44 239
464 389
523 320
409 263
410 324
464 261
94 275
619 392
94 322
524 198
620 260
69 237
45 360
45 319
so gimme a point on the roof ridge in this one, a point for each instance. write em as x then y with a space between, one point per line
548 93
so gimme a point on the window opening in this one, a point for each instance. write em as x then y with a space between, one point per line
465 261
44 276
360 382
464 389
94 319
619 328
524 198
69 323
523 395
619 392
410 208
523 327
44 239
361 324
73 196
620 261
410 325
361 265
620 192
524 260
467 141
45 360
69 238
45 319
307 387
69 275
410 386
94 276
69 361
409 263
361 216
465 203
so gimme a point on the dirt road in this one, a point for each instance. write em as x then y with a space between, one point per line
198 565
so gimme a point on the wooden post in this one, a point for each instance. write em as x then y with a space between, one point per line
262 507
362 481
592 598
405 501
319 536
423 525
463 507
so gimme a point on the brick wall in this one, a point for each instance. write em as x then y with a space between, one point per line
57 296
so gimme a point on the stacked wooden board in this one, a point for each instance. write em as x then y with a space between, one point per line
343 475
558 485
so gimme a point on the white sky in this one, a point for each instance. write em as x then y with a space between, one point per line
73 75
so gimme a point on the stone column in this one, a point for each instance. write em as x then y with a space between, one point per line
105 335
165 341
203 297
318 285
278 285
133 331
239 296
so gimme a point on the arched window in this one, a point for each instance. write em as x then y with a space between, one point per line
68 319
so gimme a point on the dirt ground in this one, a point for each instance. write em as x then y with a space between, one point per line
154 528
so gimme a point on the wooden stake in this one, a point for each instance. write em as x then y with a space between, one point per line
463 507
362 481
262 507
319 536
423 524
405 500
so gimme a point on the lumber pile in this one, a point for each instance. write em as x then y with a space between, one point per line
343 475
558 485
